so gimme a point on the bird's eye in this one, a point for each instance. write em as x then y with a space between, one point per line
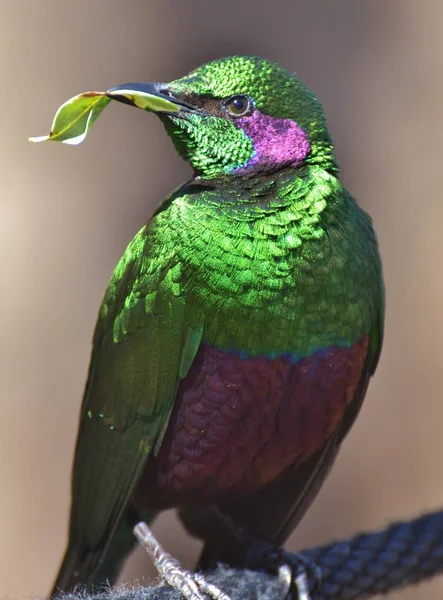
238 106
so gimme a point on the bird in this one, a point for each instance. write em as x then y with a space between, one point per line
239 331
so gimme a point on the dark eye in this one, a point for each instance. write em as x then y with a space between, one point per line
238 106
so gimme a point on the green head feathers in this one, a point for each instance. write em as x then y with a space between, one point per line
255 116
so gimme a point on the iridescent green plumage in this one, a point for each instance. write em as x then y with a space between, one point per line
282 253
219 146
262 254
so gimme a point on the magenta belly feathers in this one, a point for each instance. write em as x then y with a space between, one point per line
238 423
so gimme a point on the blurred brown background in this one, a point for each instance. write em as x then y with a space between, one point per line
67 214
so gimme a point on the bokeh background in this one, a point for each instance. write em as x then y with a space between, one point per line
67 213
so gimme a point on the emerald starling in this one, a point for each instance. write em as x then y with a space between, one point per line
239 330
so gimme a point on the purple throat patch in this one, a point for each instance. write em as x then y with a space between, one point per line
276 142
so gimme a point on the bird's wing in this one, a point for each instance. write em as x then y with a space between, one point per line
142 348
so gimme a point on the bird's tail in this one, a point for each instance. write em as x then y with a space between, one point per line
95 568
221 548
221 544
67 576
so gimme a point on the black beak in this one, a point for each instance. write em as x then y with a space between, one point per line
153 97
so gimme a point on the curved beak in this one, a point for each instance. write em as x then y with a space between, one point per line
153 97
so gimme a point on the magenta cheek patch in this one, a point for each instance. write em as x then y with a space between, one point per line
276 142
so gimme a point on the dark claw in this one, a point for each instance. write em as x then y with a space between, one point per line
294 570
265 555
300 565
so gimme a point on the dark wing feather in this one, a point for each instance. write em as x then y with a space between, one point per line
141 347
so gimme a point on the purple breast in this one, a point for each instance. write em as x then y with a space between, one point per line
238 423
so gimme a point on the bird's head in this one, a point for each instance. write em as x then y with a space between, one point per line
239 115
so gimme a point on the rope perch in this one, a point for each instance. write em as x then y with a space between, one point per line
359 567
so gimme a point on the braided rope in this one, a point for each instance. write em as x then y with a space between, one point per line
378 562
359 567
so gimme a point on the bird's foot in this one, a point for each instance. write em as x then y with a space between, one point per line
293 569
298 571
193 586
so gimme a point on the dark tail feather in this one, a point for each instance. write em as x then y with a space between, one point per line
95 568
221 544
221 548
70 573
